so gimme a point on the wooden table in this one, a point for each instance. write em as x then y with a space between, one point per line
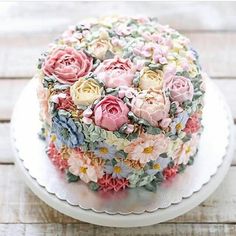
27 28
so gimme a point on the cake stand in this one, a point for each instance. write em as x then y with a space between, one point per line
132 207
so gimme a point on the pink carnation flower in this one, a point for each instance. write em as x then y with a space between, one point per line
67 65
193 124
111 113
151 106
116 72
65 103
108 183
56 157
170 172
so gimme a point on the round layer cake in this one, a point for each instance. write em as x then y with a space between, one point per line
121 103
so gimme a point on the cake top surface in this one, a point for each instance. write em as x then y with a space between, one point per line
122 87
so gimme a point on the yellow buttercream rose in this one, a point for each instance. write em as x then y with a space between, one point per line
99 47
85 91
151 79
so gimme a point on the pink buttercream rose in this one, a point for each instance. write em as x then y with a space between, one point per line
67 65
151 106
116 72
111 113
181 88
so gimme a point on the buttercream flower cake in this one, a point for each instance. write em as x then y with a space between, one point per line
121 103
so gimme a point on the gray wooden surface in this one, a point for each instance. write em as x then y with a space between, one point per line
26 29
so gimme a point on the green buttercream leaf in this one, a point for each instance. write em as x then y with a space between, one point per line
183 73
181 168
72 178
191 161
152 187
186 138
173 108
121 154
164 155
132 136
93 186
155 66
114 162
42 133
171 164
159 178
153 130
112 91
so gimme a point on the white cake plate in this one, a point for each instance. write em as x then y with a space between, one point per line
135 207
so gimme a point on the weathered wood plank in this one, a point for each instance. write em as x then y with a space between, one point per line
9 93
11 89
19 205
92 230
6 154
58 15
19 53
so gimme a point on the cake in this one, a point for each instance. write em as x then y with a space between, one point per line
121 102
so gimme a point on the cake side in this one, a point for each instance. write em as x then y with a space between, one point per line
121 102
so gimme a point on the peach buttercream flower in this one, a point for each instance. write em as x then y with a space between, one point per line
81 165
151 106
187 150
147 147
116 72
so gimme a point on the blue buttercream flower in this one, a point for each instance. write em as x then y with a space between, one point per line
66 131
158 165
119 170
105 151
179 123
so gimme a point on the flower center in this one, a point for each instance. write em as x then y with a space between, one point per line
188 150
179 127
156 166
53 138
148 150
117 169
103 150
83 170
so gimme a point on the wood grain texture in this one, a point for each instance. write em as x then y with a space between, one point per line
216 50
6 153
92 230
55 16
19 205
9 93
